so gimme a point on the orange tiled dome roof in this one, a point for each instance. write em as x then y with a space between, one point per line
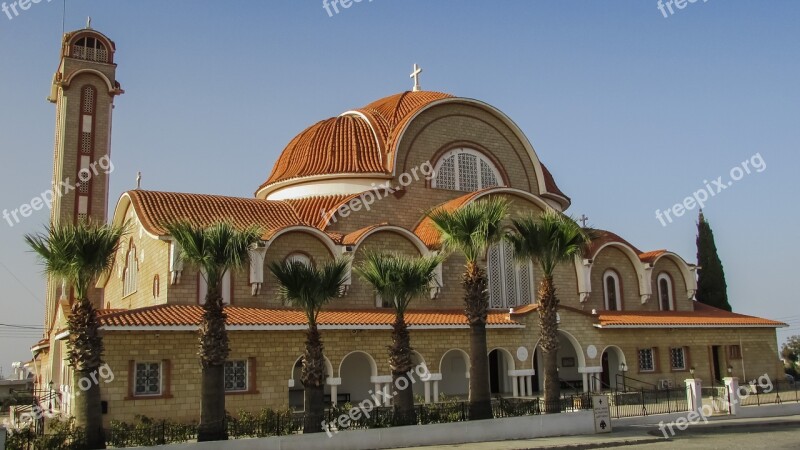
355 142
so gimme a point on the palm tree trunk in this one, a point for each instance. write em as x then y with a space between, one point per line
548 322
87 408
213 353
476 306
85 356
401 365
313 378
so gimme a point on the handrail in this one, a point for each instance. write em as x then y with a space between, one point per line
570 384
601 383
625 378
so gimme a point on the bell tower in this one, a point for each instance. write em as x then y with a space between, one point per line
83 90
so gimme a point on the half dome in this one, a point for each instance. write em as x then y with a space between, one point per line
352 143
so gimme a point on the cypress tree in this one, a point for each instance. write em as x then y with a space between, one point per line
711 286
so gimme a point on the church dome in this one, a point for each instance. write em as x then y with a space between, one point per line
356 142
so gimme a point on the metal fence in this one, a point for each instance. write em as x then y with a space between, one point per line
773 393
146 432
645 402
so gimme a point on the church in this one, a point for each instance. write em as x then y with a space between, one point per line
360 181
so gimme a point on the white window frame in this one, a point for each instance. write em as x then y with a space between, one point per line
299 257
652 359
202 288
613 275
160 378
519 301
672 360
130 276
246 374
480 156
671 298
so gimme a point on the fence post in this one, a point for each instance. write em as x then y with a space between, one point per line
694 395
732 386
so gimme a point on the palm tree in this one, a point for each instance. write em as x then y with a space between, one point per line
400 278
471 230
548 241
215 250
310 288
79 254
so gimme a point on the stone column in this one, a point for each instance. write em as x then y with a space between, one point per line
387 391
334 393
334 384
529 384
435 391
514 387
694 396
427 391
733 400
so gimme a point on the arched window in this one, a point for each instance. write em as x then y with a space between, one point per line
612 291
130 274
90 49
510 281
202 288
665 299
299 257
467 170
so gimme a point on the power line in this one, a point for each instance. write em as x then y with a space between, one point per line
22 284
26 327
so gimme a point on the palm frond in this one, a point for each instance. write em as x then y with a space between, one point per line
550 239
215 249
78 253
472 228
399 277
307 287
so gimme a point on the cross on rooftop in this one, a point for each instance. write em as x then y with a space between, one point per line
415 76
583 219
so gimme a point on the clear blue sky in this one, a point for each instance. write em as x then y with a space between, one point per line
630 110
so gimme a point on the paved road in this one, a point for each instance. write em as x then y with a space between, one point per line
783 437
724 433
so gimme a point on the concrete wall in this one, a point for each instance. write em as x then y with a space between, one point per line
528 427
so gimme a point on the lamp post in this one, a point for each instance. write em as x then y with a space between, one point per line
624 368
691 371
50 396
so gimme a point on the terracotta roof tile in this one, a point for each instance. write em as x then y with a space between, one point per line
649 257
702 316
602 238
344 144
190 315
427 231
157 209
310 209
550 184
355 236
348 143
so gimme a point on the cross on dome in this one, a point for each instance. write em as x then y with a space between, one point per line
415 76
